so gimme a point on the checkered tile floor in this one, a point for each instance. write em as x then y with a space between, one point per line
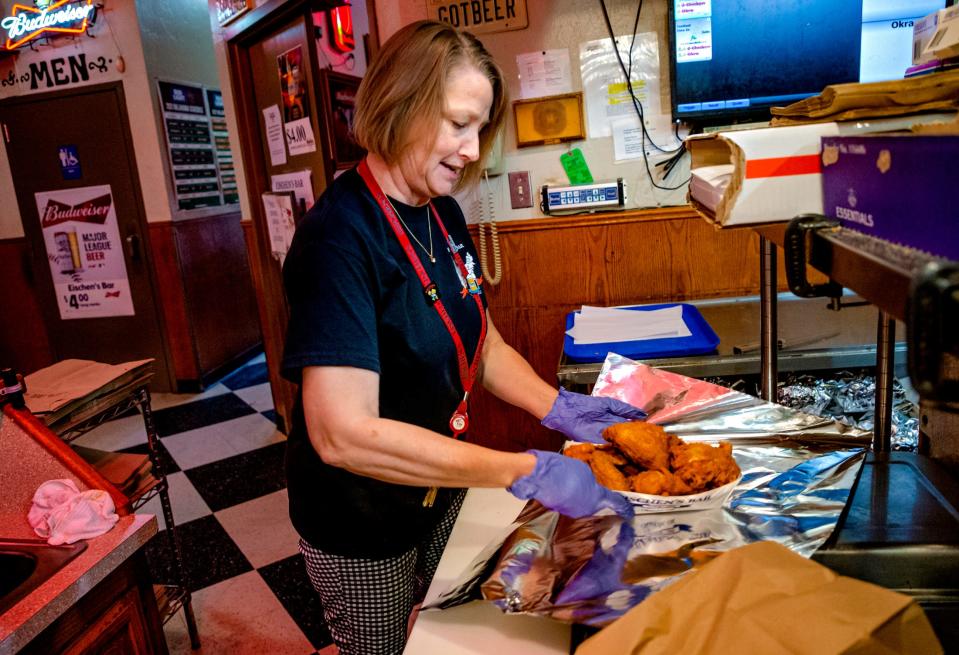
224 461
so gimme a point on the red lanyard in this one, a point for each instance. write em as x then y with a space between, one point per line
459 422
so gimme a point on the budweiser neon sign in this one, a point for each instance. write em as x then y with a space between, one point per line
64 17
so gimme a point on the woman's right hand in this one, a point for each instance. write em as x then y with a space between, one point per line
567 486
583 418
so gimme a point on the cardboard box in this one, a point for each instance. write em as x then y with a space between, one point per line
775 172
944 43
922 33
897 187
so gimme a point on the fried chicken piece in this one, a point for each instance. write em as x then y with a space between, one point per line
674 443
703 466
603 463
581 451
658 483
584 452
680 488
645 444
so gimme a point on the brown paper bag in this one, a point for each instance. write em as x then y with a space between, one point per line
763 598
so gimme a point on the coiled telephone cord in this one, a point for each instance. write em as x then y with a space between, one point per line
497 275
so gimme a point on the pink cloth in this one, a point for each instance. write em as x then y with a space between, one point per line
62 514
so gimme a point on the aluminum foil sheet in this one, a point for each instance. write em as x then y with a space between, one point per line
798 471
851 399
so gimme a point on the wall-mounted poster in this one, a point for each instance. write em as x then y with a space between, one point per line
279 209
299 183
85 252
273 128
190 144
339 96
295 102
227 10
221 144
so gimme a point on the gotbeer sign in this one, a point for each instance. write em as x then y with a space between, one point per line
481 16
25 23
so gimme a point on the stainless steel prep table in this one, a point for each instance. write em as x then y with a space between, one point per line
813 338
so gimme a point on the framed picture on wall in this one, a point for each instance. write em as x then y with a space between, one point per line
549 120
227 10
338 92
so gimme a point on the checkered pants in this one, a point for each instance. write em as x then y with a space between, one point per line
367 602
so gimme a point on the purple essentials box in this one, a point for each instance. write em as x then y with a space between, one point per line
897 187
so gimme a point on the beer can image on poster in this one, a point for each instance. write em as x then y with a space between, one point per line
68 252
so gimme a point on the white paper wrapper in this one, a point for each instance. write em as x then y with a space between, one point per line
706 500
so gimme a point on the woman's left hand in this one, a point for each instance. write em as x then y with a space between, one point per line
583 418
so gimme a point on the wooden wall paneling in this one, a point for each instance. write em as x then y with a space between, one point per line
554 266
24 343
218 291
173 306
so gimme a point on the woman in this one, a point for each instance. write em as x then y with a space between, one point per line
388 332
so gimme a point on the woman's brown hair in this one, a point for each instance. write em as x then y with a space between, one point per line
403 94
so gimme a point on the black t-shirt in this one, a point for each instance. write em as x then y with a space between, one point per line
355 300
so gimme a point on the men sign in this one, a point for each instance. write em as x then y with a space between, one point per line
481 16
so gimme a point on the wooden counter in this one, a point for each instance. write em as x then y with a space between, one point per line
108 581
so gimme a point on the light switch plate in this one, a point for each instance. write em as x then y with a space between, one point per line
520 194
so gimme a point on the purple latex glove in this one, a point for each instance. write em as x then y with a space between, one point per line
603 574
583 418
567 486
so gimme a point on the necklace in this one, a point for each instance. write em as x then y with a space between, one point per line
429 226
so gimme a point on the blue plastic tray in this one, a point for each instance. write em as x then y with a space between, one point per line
703 340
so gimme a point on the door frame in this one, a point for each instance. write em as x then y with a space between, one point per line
247 31
146 252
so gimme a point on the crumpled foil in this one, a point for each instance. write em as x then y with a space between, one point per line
851 399
798 471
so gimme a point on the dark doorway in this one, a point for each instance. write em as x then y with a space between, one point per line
45 134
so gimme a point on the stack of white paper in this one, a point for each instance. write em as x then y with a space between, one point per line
608 325
707 184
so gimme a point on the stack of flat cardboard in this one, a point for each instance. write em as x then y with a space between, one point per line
73 390
131 473
936 92
69 393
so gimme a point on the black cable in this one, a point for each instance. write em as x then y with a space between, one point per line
637 105
632 42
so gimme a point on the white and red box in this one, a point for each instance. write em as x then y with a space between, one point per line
775 174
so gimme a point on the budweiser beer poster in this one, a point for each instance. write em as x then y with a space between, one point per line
85 252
